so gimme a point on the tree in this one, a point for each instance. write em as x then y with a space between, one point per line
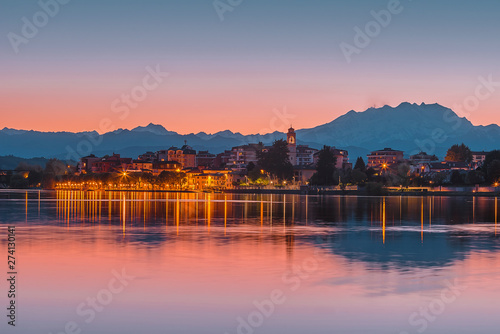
358 177
250 166
370 172
457 178
459 153
493 171
33 173
490 168
258 176
54 171
360 164
403 174
325 168
171 178
276 162
439 179
474 177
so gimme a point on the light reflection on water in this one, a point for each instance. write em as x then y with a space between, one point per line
203 259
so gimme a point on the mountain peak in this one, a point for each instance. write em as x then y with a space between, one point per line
153 128
10 131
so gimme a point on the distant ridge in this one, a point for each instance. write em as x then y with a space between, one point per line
408 127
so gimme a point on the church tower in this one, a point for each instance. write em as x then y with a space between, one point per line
291 140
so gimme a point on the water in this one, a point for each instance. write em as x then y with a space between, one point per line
225 263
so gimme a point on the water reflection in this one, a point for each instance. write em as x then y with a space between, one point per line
389 231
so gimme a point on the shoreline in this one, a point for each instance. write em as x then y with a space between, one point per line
290 191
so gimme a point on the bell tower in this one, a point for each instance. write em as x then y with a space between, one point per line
291 140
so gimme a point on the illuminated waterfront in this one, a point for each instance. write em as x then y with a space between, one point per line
344 264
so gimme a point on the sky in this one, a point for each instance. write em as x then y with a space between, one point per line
251 67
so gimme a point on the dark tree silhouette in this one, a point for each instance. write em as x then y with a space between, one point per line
491 167
360 164
459 153
276 161
325 169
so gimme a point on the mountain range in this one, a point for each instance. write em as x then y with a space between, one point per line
407 127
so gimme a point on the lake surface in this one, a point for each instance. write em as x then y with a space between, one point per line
125 262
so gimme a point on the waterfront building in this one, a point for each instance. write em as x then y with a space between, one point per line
478 159
139 165
385 158
419 163
302 174
447 166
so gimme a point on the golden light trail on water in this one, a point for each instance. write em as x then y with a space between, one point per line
422 221
383 221
225 213
496 214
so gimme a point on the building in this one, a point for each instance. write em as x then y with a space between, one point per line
422 158
419 163
291 140
112 164
85 164
302 174
342 157
139 165
167 166
222 159
447 166
205 159
185 155
161 156
242 155
213 179
478 159
148 156
385 158
305 155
